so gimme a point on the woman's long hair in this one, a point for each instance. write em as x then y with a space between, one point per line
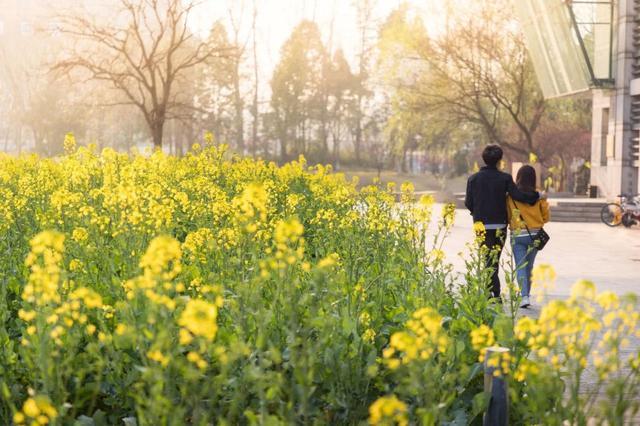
526 179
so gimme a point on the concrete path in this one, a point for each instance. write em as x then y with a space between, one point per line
610 257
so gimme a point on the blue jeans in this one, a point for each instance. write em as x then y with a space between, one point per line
525 254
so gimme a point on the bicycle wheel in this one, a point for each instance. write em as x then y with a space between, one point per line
611 214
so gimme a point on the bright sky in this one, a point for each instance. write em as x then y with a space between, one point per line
277 18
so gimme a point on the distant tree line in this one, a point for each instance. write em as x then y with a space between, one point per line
144 75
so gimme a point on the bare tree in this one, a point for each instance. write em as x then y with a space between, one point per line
240 48
256 81
479 73
366 30
143 52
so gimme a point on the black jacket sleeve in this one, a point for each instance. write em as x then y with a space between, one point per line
468 198
523 197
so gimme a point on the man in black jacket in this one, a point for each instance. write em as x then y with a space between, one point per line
486 200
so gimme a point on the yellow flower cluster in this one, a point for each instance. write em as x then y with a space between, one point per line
79 234
158 357
526 368
543 279
43 260
195 245
163 258
422 211
423 338
566 332
481 338
499 362
139 244
388 411
199 318
480 233
36 410
251 207
327 262
69 143
376 211
436 256
448 214
406 192
289 247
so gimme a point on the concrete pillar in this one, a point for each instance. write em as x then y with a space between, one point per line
622 163
601 134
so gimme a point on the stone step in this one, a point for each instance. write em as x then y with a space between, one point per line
574 217
581 212
575 220
576 212
565 205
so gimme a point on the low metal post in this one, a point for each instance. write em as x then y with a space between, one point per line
495 386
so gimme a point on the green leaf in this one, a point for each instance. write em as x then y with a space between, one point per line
503 328
480 403
84 421
476 370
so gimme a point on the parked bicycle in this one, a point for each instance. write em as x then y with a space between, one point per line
626 212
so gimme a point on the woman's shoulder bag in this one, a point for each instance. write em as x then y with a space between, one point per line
541 239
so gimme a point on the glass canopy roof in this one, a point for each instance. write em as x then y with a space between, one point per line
570 43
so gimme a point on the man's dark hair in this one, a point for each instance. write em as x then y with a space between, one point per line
491 155
526 179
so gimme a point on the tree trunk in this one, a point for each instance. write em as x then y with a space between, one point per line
403 162
336 151
562 174
157 130
254 107
39 146
324 143
358 140
239 108
19 139
254 128
283 149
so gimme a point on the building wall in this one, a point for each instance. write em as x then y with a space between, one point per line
616 113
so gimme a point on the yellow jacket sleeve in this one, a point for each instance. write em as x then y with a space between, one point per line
544 209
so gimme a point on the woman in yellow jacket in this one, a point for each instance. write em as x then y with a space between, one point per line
534 217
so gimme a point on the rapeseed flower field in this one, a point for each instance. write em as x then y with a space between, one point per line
214 289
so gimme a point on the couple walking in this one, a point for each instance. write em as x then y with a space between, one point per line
495 200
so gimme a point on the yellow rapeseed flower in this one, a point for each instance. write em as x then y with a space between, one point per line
583 289
478 228
388 410
30 408
18 418
482 338
448 214
199 317
79 235
158 357
423 338
162 257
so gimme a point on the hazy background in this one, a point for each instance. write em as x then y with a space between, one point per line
373 87
336 19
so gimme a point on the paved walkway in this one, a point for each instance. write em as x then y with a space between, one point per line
610 257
